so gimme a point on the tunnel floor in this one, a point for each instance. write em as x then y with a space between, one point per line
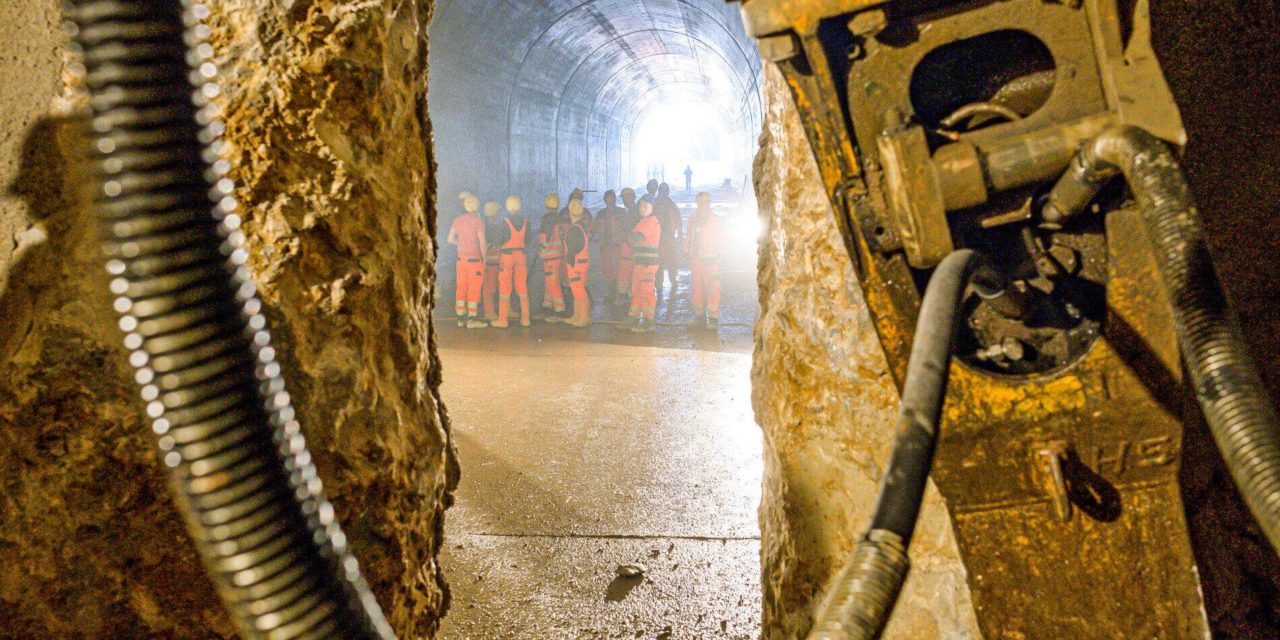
584 451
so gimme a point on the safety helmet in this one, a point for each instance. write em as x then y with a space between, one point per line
492 208
471 203
513 204
552 201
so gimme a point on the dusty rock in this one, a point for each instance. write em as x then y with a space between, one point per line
823 395
327 125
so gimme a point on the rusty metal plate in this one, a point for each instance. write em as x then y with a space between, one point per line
1063 486
1121 565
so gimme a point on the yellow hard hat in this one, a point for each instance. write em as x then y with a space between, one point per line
492 208
552 201
513 204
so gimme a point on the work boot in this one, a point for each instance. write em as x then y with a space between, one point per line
462 322
504 311
696 322
552 319
645 327
581 314
630 323
713 323
474 322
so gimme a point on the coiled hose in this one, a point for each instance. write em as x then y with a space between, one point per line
863 595
1228 387
237 461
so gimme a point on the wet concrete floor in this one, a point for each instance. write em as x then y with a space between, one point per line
584 450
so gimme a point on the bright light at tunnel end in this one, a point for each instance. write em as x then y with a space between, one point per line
672 136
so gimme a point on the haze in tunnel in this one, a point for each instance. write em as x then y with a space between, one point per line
534 96
590 452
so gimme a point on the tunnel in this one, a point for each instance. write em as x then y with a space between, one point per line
711 477
530 98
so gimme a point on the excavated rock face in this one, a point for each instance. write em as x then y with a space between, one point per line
326 123
827 404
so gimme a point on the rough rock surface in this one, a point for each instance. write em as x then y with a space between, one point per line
327 123
824 397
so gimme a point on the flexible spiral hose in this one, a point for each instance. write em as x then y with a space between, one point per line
1230 391
195 330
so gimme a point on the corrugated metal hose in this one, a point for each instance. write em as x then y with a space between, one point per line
231 443
1228 387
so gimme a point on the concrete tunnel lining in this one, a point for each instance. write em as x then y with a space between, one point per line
529 97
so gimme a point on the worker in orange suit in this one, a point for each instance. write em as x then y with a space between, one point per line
577 242
551 251
514 273
492 259
702 245
467 233
622 226
606 232
646 238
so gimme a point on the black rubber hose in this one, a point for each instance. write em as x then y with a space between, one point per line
863 595
1228 387
236 457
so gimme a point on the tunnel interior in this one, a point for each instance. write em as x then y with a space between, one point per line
528 98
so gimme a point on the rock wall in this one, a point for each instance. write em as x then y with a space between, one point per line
327 125
824 397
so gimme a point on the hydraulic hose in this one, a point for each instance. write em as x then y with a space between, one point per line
1227 385
863 595
237 461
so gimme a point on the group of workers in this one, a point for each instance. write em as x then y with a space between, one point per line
638 243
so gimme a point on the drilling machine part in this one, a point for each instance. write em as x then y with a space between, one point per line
237 461
939 124
863 595
1230 391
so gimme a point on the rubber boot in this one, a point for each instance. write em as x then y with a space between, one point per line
581 314
504 310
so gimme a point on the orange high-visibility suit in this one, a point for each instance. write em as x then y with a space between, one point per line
645 240
514 272
702 244
578 263
551 250
468 233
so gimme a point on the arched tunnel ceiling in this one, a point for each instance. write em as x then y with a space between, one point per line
544 92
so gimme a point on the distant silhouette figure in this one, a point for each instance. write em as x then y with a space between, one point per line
688 178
